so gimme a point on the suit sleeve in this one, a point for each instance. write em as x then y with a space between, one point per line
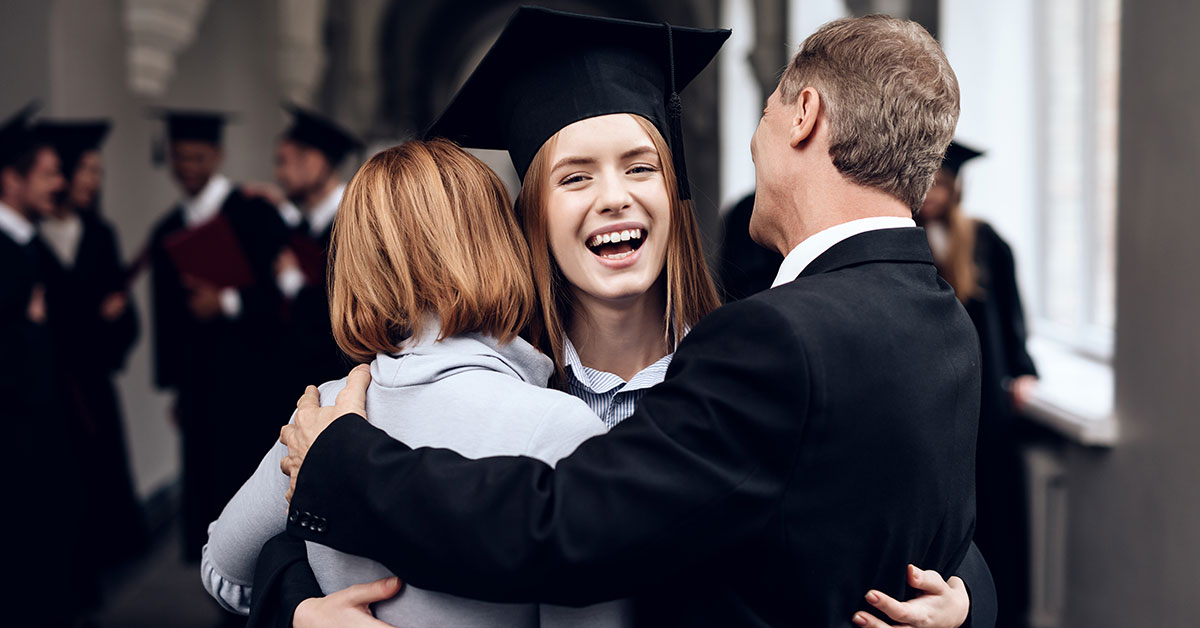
978 578
699 468
282 579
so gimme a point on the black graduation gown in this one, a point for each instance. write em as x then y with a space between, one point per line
89 352
39 463
314 356
746 267
230 402
808 442
1002 532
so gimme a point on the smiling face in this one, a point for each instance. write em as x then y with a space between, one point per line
607 209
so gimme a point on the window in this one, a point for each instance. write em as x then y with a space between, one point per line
1076 83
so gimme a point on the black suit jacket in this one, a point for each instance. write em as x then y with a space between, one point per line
808 442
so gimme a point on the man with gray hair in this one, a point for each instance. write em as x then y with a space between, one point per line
808 443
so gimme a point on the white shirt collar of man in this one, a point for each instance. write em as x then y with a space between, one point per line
205 205
325 211
816 244
15 225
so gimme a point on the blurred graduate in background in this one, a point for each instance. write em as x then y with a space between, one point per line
217 318
42 499
979 264
94 326
309 190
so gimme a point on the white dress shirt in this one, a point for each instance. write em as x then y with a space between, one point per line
203 207
291 280
207 204
816 244
63 236
16 226
320 216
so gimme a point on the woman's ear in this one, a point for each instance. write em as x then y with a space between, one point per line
806 111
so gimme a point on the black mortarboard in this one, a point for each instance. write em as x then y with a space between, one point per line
549 69
16 135
72 138
958 154
317 131
190 124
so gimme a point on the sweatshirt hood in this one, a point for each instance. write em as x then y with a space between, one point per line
425 359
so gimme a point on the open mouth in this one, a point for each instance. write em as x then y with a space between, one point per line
616 244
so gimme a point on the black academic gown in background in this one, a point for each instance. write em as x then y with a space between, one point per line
230 402
1003 529
90 351
314 356
42 490
808 443
746 268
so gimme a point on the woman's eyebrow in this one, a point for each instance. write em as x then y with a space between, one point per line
638 152
572 161
583 161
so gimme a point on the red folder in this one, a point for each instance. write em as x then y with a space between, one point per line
311 257
211 253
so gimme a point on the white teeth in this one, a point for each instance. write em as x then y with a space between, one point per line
616 236
618 255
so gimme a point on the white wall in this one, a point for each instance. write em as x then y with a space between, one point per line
231 67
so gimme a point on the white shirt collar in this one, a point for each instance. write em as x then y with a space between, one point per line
324 212
63 236
15 225
816 244
207 203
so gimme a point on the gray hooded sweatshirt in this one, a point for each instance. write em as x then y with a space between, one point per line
467 393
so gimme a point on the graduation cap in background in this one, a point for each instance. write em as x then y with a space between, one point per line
187 124
958 154
72 138
317 131
16 135
549 69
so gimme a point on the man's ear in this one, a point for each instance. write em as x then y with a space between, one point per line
805 112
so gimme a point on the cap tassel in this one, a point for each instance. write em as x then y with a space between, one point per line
675 122
675 119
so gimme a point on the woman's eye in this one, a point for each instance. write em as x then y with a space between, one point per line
642 169
575 178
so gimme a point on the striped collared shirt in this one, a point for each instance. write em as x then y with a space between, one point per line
610 397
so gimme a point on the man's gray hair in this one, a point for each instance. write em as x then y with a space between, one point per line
890 97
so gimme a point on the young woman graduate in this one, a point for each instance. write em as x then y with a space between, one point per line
979 264
617 259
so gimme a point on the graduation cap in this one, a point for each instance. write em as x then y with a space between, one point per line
317 131
549 69
958 154
192 124
16 135
72 138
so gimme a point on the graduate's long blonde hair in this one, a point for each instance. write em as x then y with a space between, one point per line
958 267
425 228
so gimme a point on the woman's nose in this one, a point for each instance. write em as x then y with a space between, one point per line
615 195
